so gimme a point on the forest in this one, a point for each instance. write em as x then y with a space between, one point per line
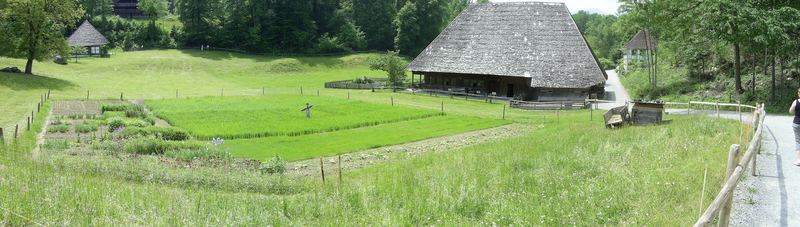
283 26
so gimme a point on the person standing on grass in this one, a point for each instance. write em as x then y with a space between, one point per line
795 109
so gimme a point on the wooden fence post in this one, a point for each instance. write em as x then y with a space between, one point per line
340 169
322 169
32 117
317 92
263 91
348 95
504 111
39 107
121 97
48 93
717 107
392 98
301 90
87 94
16 130
2 139
29 123
725 213
442 107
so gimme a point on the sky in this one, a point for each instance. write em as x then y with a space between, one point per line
594 6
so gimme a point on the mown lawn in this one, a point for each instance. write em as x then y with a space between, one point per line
338 142
276 115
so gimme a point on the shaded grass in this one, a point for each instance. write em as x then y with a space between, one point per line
252 117
332 143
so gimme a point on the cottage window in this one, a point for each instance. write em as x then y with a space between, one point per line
95 50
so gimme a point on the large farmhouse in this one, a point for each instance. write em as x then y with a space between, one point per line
522 50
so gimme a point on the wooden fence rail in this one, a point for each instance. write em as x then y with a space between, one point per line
722 202
27 123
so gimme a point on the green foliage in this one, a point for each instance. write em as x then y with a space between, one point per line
375 19
115 123
417 24
152 145
363 80
153 8
351 36
275 165
86 127
97 7
328 44
393 65
58 145
61 128
165 133
33 29
606 64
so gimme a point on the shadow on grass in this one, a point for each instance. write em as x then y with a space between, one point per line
307 60
22 82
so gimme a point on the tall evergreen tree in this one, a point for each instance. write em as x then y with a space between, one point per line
197 17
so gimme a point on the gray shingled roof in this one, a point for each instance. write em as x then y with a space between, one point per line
640 42
521 39
87 35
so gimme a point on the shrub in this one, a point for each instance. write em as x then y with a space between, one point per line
85 127
160 132
606 64
363 80
187 155
328 44
115 123
137 123
114 107
152 145
62 128
273 166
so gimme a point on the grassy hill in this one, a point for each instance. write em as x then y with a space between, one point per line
568 170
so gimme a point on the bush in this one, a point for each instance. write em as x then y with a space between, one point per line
363 80
606 64
115 123
329 44
273 166
110 114
114 107
152 145
174 134
137 123
187 155
86 127
62 128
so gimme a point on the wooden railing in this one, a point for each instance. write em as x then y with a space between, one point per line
722 204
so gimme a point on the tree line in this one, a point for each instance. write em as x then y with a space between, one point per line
266 26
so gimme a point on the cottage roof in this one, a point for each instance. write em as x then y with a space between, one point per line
87 35
537 40
641 41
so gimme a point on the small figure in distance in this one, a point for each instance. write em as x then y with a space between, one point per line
795 109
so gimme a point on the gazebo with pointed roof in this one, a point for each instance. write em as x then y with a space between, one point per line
637 48
87 36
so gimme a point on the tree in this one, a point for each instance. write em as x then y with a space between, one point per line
153 8
375 18
393 65
95 8
197 17
351 36
33 29
417 24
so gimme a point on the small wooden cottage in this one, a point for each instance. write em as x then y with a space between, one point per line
87 36
638 47
521 50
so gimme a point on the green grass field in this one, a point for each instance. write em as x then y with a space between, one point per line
276 115
569 170
332 143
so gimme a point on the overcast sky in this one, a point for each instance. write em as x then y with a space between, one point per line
595 6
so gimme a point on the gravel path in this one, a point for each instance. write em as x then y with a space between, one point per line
771 198
614 92
356 160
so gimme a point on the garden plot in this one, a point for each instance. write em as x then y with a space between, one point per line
255 117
